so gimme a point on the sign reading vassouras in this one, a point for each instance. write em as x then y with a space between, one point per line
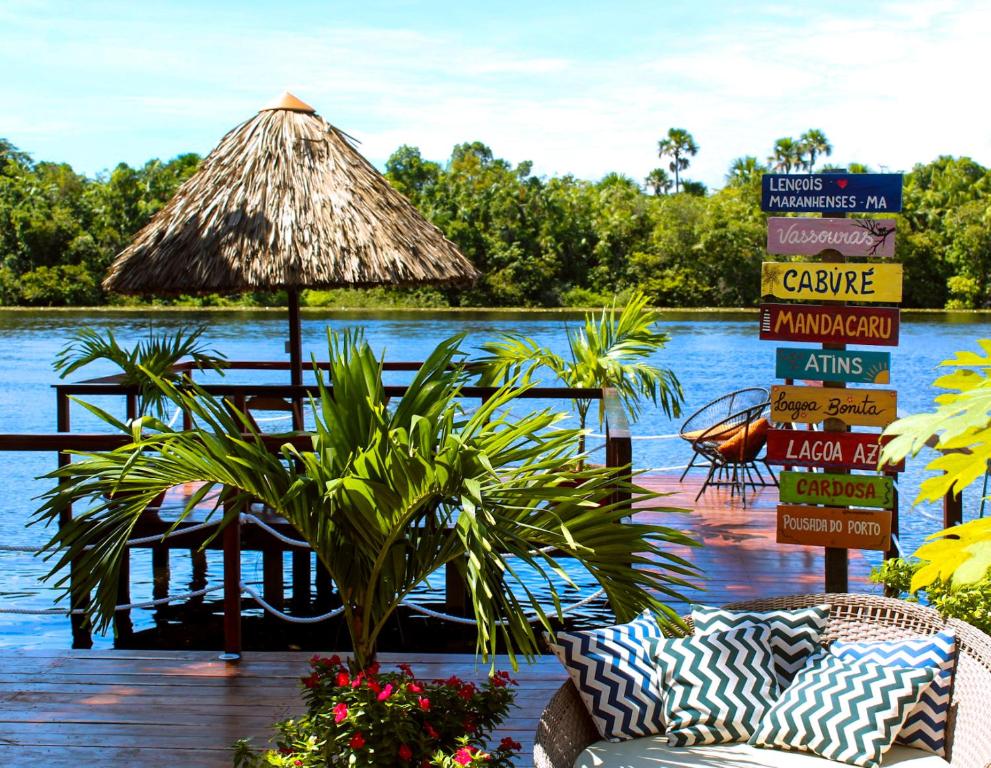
837 490
812 405
854 367
851 237
831 282
834 527
829 450
831 192
874 326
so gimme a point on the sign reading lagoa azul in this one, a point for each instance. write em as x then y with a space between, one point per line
854 407
853 367
851 237
831 282
831 192
832 450
834 527
875 326
837 490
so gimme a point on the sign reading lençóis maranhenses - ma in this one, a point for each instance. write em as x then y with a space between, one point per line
831 192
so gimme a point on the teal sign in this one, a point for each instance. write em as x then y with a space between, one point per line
853 367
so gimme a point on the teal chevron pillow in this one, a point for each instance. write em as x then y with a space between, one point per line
615 675
716 687
848 711
795 632
925 727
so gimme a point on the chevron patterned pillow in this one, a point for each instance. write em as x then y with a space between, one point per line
925 727
848 711
795 633
615 675
718 686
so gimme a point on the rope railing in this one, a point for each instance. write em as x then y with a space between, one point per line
125 607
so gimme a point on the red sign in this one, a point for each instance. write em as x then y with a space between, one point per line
877 326
833 450
835 527
851 237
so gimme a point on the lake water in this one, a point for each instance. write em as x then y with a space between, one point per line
711 354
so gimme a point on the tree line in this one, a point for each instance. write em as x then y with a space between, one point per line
538 241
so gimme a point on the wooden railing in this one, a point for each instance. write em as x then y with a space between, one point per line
238 538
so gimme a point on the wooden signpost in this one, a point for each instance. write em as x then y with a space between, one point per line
875 326
831 193
835 527
854 407
851 237
829 450
833 365
831 282
847 490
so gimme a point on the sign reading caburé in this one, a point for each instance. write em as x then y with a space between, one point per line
819 488
829 450
832 282
834 527
874 326
833 365
851 237
831 192
855 407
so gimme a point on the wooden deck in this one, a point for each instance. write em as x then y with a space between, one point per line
124 709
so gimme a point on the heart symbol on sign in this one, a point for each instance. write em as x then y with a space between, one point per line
842 183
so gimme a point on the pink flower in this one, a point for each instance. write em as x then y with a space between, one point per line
357 741
424 703
385 693
297 762
340 712
405 753
463 756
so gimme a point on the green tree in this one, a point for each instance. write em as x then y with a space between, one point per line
658 181
679 146
811 145
745 171
786 155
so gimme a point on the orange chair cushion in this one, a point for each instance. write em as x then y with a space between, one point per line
734 448
721 434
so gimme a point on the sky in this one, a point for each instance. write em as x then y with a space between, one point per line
577 87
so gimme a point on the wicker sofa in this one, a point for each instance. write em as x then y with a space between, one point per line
565 728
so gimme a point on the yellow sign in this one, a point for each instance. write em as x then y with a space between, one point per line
832 282
854 407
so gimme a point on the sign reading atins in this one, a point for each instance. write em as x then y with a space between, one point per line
851 237
834 527
853 367
832 282
873 326
831 192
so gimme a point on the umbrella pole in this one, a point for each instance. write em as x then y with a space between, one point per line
295 352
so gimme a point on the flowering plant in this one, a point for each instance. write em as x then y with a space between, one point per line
372 719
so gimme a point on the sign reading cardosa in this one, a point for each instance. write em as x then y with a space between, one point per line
829 450
831 192
837 490
834 527
855 407
849 366
874 326
831 282
851 237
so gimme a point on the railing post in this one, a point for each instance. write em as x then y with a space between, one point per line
232 591
619 445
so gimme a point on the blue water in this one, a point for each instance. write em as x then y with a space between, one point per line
711 354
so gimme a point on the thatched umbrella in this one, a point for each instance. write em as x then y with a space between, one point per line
286 201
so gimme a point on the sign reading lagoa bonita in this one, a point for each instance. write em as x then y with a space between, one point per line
831 192
854 407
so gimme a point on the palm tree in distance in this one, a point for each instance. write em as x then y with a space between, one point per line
744 171
786 156
679 146
658 181
812 144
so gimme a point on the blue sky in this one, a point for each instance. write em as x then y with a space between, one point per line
577 87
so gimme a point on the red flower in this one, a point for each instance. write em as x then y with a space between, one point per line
508 744
469 725
335 660
373 686
431 731
357 741
424 703
467 691
343 679
340 712
463 756
386 692
311 681
373 668
414 688
297 762
405 753
406 669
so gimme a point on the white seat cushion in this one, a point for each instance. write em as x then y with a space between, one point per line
654 752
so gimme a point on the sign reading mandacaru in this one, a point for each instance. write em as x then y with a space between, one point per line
834 527
873 326
855 407
837 490
828 450
851 237
854 367
831 192
831 282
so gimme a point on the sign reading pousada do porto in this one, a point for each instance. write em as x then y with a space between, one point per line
854 367
873 326
831 282
828 450
834 527
831 192
837 490
851 237
854 407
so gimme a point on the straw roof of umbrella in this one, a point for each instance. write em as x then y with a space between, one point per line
286 201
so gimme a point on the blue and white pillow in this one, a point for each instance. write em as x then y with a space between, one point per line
925 727
614 671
